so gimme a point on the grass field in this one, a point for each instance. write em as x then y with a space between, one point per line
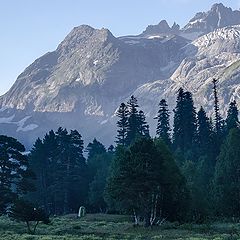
112 227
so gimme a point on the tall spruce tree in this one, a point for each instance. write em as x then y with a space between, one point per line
133 130
184 128
122 124
163 125
232 116
217 119
204 133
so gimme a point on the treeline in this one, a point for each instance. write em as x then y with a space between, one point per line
189 172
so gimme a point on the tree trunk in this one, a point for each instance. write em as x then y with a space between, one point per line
136 218
65 201
35 227
28 227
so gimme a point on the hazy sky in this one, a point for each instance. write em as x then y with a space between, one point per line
30 28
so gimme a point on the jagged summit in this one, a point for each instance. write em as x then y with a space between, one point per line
202 23
217 17
161 28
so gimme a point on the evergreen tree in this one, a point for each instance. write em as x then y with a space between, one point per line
122 124
218 119
184 129
98 183
39 162
178 132
232 116
94 149
144 127
61 172
71 170
98 164
15 174
133 130
163 125
227 176
203 133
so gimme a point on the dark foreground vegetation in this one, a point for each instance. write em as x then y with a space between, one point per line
188 174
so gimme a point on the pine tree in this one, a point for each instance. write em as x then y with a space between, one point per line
15 175
184 128
163 125
95 148
144 127
133 130
71 170
203 133
122 124
178 132
232 116
218 119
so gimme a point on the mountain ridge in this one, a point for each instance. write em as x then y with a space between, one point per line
81 83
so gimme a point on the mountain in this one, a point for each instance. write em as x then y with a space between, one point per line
202 23
81 83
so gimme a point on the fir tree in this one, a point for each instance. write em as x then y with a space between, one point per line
218 119
163 125
144 127
122 124
184 129
133 130
203 133
232 116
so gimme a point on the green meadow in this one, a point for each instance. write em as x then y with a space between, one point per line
114 227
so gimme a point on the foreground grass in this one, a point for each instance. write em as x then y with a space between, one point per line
112 227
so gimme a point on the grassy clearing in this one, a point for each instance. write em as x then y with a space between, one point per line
112 227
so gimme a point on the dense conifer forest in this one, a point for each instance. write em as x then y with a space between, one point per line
188 172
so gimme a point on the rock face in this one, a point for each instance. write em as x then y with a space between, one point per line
161 28
202 23
219 16
81 84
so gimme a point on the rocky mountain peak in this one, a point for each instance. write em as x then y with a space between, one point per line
161 28
217 17
218 7
82 34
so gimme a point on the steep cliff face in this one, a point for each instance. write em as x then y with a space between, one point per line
81 83
85 79
214 55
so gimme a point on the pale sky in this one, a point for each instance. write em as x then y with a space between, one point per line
30 28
